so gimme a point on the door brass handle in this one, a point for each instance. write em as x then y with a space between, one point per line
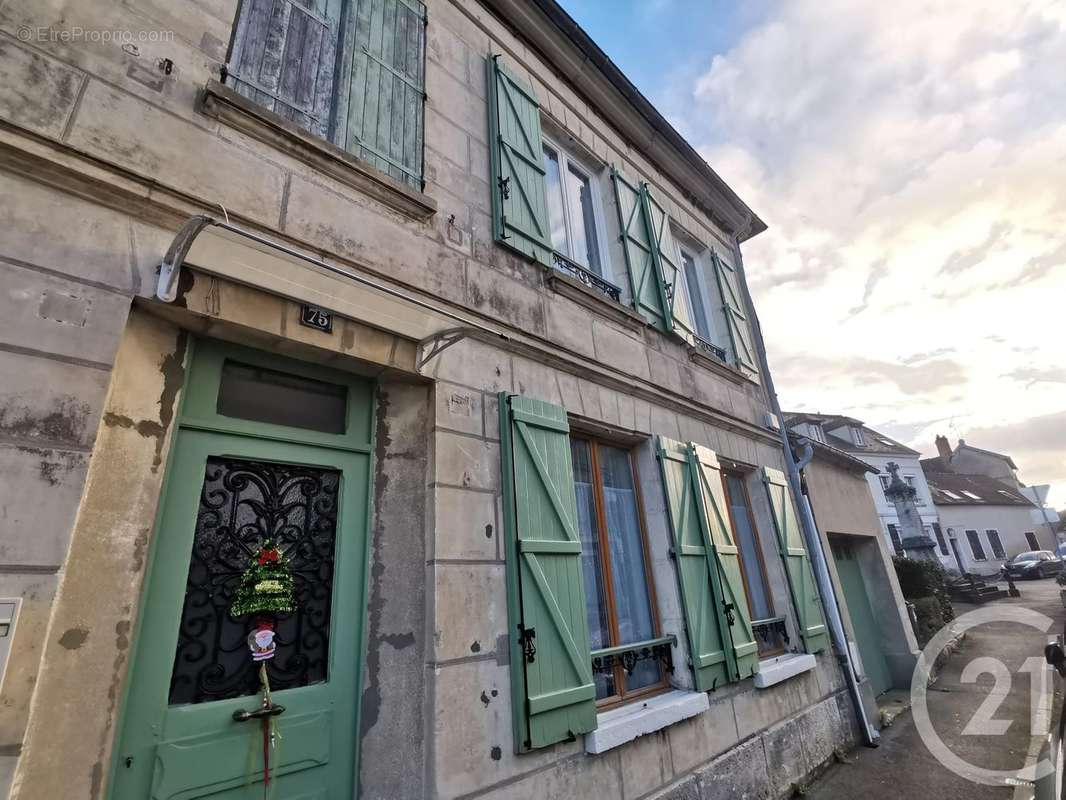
240 715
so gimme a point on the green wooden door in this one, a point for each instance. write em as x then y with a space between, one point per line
226 492
864 625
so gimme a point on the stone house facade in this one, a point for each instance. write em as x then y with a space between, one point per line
431 295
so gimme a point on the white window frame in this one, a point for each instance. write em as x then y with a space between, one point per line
857 436
816 432
566 160
1029 541
711 304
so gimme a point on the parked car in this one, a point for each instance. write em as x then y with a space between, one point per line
1033 564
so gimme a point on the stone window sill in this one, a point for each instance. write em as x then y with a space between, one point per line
227 106
775 670
621 725
591 299
697 356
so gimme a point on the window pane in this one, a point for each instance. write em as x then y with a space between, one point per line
556 217
699 311
263 395
975 545
586 249
631 595
748 542
595 596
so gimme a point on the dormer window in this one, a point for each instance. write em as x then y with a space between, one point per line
857 437
816 432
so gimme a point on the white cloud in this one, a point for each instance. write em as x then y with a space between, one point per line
910 159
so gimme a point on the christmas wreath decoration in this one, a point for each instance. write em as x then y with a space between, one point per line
266 586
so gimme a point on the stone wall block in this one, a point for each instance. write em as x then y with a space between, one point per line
459 408
160 144
471 609
699 739
466 462
740 773
646 764
36 92
46 313
465 524
472 734
617 349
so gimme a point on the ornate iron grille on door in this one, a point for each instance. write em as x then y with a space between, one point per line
242 504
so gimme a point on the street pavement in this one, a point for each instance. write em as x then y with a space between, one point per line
903 767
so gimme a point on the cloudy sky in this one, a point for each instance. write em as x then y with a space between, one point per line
910 160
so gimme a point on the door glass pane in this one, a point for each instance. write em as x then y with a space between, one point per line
595 596
747 540
554 185
242 504
699 311
280 398
629 570
586 250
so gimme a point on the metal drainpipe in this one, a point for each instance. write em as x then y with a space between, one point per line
806 517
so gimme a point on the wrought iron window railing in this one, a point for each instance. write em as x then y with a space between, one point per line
711 349
628 655
589 279
771 634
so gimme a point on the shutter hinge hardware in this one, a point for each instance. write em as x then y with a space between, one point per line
505 187
728 609
526 637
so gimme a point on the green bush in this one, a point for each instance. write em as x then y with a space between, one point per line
930 618
918 579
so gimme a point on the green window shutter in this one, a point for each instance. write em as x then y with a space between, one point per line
554 696
797 564
519 195
379 113
745 653
735 316
720 638
666 258
641 252
283 58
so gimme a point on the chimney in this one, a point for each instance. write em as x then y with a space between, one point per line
943 448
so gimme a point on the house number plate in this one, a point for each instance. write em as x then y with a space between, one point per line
317 318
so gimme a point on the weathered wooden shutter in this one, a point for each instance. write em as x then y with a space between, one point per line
641 253
734 598
381 96
735 317
551 662
666 257
720 638
801 583
516 148
284 58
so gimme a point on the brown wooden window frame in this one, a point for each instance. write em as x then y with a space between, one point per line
621 695
741 478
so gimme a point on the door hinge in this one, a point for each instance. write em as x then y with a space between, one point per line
526 637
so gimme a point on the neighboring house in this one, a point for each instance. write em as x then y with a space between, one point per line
987 521
853 437
875 613
966 459
985 507
436 301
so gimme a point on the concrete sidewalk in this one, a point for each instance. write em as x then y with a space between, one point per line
903 767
